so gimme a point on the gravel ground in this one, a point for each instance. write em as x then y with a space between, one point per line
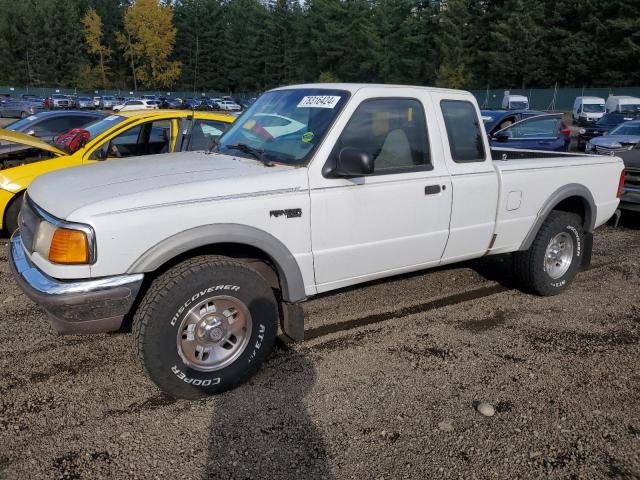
384 388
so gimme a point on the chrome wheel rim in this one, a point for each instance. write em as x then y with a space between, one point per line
214 333
559 255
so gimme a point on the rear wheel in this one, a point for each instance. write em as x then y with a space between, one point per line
205 326
554 258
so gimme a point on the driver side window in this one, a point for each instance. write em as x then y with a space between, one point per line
145 139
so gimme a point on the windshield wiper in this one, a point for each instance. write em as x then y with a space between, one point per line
254 152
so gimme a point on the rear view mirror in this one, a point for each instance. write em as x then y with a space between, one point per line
353 163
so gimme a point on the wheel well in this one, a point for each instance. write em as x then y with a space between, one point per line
253 256
579 206
17 197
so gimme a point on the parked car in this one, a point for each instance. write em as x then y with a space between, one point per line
515 102
73 101
229 106
96 102
630 198
150 97
622 138
587 110
623 103
212 252
45 125
20 108
31 97
608 122
85 103
136 105
125 134
172 103
107 102
58 100
495 120
208 104
542 132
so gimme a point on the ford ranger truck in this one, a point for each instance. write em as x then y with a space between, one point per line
314 188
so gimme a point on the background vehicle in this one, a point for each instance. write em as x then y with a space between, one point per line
588 110
623 103
495 120
136 105
515 102
19 108
85 103
107 102
127 134
73 101
45 126
31 97
168 102
57 100
630 199
229 106
229 242
96 102
150 97
543 132
602 126
620 139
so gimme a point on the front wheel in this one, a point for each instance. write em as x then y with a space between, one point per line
205 326
551 263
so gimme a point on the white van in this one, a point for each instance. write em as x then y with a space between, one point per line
623 103
515 102
588 110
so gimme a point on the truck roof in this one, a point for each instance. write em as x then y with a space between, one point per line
354 87
592 99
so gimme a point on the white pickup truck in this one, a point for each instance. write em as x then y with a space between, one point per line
314 188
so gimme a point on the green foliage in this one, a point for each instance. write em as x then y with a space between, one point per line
252 45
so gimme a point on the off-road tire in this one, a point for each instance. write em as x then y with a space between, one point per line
166 304
529 266
11 215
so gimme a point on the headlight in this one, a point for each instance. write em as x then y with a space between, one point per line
59 241
582 131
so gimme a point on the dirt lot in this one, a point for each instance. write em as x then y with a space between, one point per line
384 387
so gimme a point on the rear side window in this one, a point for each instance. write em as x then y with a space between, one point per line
464 132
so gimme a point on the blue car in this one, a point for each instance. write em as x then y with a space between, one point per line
543 132
495 120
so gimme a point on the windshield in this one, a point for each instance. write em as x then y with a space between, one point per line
108 98
630 107
519 105
100 126
284 126
593 107
612 119
630 128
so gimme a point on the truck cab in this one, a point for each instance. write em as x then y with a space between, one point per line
587 110
515 102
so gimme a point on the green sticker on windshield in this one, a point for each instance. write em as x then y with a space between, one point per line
307 137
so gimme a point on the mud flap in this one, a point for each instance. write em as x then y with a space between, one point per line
292 321
586 252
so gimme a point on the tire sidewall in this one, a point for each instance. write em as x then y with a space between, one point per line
160 350
575 232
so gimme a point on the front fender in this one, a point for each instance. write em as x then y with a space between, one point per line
289 273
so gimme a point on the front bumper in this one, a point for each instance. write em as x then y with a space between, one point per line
83 306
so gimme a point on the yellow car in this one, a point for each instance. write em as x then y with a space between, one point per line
126 134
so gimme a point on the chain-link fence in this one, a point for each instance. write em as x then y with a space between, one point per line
560 99
46 91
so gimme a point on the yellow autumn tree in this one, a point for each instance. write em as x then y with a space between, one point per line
148 40
93 38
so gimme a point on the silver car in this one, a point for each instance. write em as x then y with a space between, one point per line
621 139
59 100
85 103
107 102
20 108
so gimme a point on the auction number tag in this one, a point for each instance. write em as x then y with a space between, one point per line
32 118
319 101
111 118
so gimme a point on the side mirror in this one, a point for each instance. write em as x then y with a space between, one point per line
353 163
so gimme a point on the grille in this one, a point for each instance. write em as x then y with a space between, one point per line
29 221
610 151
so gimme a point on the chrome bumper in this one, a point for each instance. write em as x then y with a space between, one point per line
86 306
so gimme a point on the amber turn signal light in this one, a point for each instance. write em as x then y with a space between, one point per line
69 246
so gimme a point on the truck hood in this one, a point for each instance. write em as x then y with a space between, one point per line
156 181
28 141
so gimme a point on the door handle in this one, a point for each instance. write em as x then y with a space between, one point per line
432 189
